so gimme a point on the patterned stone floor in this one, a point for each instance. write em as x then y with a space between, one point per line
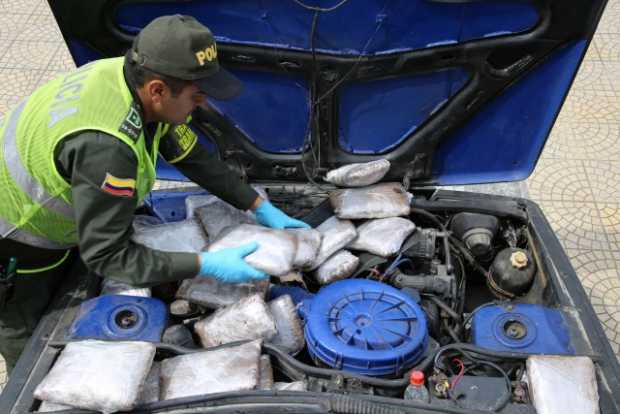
575 181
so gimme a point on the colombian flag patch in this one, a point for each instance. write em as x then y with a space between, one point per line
123 187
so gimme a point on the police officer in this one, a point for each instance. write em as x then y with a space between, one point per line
78 156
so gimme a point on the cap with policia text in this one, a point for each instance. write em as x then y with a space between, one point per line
181 47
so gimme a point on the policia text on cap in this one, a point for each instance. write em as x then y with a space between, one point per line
79 156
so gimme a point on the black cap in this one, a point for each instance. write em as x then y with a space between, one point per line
181 47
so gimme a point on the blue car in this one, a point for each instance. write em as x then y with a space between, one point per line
484 311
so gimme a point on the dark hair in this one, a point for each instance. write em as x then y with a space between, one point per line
140 76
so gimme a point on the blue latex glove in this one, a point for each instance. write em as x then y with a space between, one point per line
273 217
229 266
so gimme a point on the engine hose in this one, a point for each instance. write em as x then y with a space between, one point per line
481 353
162 346
350 405
278 353
452 334
445 307
468 256
501 403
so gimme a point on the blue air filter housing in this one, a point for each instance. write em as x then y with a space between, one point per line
365 327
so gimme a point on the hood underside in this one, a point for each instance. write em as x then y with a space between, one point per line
451 92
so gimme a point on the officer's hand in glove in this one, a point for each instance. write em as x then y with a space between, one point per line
273 217
229 266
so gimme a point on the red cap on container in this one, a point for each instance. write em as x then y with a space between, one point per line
416 378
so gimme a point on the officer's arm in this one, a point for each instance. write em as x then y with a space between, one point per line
91 161
180 147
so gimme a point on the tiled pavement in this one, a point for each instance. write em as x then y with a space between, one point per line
575 181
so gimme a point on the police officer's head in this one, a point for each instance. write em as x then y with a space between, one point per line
174 64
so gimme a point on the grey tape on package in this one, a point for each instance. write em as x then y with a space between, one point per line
193 202
336 235
377 201
276 248
250 318
223 370
180 236
114 287
290 386
98 375
265 380
308 245
150 389
219 215
382 237
211 293
290 336
359 175
339 266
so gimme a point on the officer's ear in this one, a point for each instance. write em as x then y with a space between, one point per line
156 90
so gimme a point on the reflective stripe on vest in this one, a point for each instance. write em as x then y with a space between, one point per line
9 231
22 177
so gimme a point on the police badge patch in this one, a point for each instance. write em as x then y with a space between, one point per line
132 124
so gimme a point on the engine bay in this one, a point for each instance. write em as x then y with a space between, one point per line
459 317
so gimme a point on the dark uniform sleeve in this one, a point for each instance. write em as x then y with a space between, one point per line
104 220
180 147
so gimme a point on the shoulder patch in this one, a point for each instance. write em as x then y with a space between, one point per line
122 187
185 137
132 124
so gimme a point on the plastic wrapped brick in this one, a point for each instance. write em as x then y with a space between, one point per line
377 201
562 384
359 175
308 245
382 237
340 266
223 370
219 215
98 375
336 235
276 248
178 335
209 292
250 318
180 236
195 201
290 336
150 389
294 277
182 308
265 380
114 287
290 386
47 407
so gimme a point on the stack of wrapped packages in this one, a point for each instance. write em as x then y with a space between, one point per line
233 320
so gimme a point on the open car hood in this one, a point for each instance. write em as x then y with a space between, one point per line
450 91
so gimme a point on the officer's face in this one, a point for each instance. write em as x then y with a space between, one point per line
161 105
176 109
